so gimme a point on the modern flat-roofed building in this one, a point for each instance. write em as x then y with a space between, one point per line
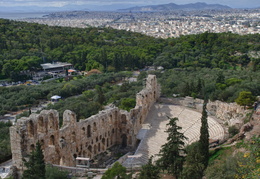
56 67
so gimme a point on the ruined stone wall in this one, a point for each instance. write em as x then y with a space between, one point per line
231 113
85 138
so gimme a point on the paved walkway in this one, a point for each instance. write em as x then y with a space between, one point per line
155 126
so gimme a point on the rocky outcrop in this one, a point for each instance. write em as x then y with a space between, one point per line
85 138
230 113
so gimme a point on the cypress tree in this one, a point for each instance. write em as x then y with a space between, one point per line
35 166
172 152
204 137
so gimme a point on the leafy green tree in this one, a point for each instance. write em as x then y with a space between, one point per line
172 152
204 137
117 171
245 98
100 95
35 166
149 170
127 103
193 167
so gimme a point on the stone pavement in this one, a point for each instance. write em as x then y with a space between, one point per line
155 126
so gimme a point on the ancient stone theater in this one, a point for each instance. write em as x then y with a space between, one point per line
86 138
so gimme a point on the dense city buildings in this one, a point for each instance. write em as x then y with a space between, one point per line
161 24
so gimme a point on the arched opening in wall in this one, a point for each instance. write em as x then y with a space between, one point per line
99 147
103 144
127 131
94 127
51 121
83 131
123 119
89 131
40 124
42 143
103 123
75 156
32 147
130 140
124 141
30 129
111 140
51 142
100 137
95 149
115 116
113 131
84 153
110 119
62 159
107 142
96 139
73 137
154 95
108 133
90 149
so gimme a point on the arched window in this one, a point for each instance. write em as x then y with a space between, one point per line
94 127
123 119
40 124
32 147
51 121
89 131
73 137
51 142
83 130
30 129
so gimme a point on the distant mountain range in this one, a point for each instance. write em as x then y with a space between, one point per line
172 6
71 7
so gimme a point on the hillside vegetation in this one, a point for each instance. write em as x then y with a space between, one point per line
24 46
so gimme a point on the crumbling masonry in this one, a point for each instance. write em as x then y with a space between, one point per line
85 138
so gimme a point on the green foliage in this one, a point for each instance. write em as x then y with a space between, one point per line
208 50
245 98
149 170
232 130
127 103
204 137
172 152
239 165
194 166
35 166
20 97
5 146
186 83
24 46
55 173
117 171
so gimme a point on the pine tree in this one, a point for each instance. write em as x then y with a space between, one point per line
172 153
149 170
204 136
35 166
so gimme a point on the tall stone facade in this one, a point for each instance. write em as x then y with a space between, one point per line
85 138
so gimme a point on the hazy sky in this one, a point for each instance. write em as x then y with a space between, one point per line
59 3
